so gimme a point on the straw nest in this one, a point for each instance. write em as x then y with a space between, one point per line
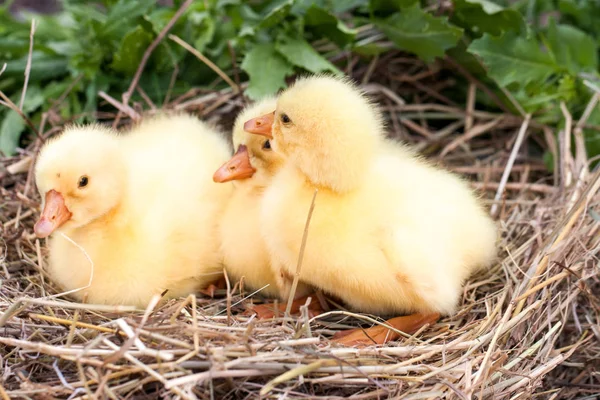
526 327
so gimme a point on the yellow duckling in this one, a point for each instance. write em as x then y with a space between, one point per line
142 205
390 233
251 169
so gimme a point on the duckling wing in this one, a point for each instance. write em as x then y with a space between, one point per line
174 200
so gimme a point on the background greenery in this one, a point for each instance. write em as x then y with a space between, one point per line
533 54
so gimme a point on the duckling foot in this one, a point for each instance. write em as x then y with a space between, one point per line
213 287
267 310
380 335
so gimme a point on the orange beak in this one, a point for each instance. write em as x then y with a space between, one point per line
54 214
238 167
261 125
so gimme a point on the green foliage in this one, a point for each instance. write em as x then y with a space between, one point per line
572 48
419 32
513 47
542 66
325 24
13 125
10 131
267 69
300 53
512 58
131 50
484 16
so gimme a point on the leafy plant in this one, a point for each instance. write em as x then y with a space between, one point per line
539 53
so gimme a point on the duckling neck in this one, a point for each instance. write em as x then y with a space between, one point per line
255 184
115 217
340 170
292 173
247 188
336 181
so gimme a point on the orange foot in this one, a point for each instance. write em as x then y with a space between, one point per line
380 335
267 310
213 287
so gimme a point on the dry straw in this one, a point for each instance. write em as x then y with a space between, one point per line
527 326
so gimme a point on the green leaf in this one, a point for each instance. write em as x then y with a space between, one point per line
301 54
6 83
325 24
335 7
387 6
343 6
62 48
369 49
243 17
218 50
267 70
34 98
159 18
55 89
486 16
419 32
131 50
223 3
205 31
53 27
538 96
13 47
10 132
485 5
43 66
591 134
276 13
9 24
512 58
460 54
91 91
572 48
123 13
581 13
567 87
548 159
84 13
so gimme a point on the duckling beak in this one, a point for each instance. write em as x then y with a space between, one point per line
261 125
54 214
238 167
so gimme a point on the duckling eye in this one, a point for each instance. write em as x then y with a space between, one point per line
83 181
285 119
266 145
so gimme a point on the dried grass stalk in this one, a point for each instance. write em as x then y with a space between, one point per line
528 325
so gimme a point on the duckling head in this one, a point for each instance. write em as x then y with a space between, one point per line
254 157
326 127
80 176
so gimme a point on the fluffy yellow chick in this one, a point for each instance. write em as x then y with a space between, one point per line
141 204
251 169
390 233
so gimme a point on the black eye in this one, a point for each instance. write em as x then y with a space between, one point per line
267 145
285 119
83 181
